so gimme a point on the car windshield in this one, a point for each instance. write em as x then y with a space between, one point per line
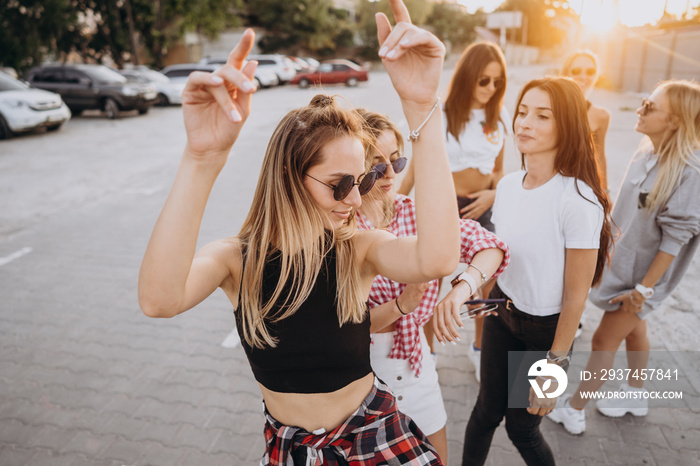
8 83
156 77
104 75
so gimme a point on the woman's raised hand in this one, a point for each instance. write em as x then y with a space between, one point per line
413 57
215 105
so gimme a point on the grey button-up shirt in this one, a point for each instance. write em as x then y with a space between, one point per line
673 228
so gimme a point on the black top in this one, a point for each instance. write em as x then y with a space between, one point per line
314 354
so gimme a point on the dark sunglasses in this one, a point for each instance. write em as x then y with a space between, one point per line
347 182
398 165
578 71
648 107
497 82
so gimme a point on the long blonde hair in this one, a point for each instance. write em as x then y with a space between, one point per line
375 124
679 146
284 220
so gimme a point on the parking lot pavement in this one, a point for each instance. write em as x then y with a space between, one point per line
86 379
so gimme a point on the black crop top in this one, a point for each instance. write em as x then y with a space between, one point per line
314 354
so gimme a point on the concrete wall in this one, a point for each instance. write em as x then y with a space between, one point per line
637 61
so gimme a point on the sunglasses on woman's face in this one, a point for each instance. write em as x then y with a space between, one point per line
648 107
397 165
497 82
578 71
347 182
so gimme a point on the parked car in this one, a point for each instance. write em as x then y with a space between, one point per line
281 65
93 87
332 72
11 71
302 65
311 61
24 109
169 92
264 77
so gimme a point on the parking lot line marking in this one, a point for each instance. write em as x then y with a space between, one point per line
15 255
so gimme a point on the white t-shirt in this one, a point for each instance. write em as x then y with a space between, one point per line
477 147
538 225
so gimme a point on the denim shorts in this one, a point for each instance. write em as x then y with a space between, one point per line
418 397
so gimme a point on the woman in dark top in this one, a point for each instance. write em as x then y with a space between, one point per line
299 268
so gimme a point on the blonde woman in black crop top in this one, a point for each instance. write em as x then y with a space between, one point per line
299 252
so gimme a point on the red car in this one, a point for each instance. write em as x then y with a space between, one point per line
332 72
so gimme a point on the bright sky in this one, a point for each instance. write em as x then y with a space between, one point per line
631 12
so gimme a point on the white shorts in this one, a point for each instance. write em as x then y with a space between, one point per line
418 397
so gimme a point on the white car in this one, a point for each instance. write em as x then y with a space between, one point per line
169 91
264 77
280 64
23 108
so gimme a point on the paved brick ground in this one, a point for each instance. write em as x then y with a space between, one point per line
86 379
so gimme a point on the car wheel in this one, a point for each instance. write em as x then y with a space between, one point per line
111 109
162 100
54 127
5 131
304 83
256 83
351 82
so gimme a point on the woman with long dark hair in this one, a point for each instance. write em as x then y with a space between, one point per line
554 217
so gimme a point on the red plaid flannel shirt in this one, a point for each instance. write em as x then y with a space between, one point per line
474 238
376 434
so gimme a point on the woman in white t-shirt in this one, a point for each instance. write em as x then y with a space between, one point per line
554 217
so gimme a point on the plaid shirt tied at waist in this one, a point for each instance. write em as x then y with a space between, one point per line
473 238
377 433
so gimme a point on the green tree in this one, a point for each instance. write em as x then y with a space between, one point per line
311 25
452 24
30 30
366 25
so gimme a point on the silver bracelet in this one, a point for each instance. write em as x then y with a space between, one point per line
484 277
413 135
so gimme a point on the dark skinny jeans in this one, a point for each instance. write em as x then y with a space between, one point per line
511 330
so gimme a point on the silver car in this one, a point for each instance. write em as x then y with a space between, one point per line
169 91
24 109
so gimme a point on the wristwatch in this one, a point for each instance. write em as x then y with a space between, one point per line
561 361
645 291
464 276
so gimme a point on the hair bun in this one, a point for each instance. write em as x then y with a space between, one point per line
322 101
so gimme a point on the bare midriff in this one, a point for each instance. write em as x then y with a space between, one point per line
312 411
470 180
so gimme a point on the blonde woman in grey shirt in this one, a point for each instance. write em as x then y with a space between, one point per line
658 214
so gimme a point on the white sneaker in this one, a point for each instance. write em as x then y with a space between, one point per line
573 420
475 358
627 403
